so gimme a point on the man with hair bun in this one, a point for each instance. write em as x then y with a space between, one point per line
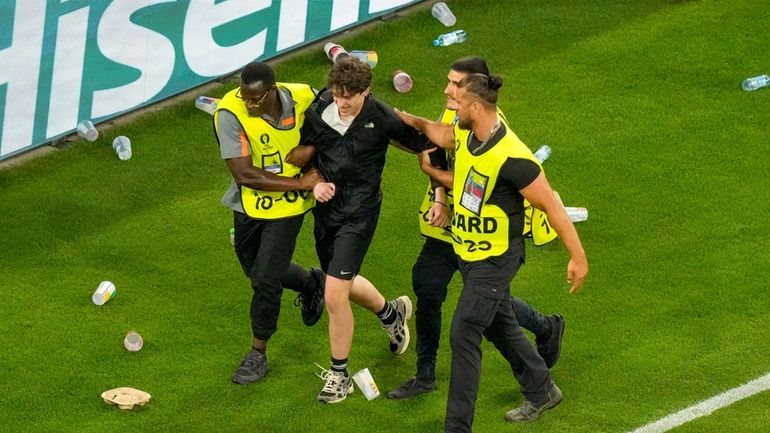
437 263
494 173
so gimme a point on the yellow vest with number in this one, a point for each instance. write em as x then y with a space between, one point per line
269 147
479 229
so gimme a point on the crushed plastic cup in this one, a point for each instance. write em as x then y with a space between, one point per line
441 12
104 293
366 384
133 342
87 130
402 81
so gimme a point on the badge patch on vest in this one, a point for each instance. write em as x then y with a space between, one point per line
473 191
272 163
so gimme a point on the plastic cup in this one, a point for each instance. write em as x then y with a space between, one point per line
441 12
133 342
333 51
368 57
87 130
103 293
206 104
366 384
402 81
122 146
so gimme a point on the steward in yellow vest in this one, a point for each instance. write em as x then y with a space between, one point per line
536 223
494 173
269 144
437 262
256 126
480 229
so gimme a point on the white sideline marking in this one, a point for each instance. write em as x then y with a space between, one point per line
707 406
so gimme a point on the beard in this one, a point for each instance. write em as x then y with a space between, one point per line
466 124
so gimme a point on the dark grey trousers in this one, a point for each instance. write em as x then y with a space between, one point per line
431 274
484 310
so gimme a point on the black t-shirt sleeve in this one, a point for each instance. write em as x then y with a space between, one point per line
518 173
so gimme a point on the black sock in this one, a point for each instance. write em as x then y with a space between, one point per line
387 315
340 365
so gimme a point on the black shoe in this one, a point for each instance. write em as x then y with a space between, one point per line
549 347
529 412
413 386
313 304
253 367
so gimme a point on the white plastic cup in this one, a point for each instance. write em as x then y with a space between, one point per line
104 293
334 51
366 384
577 214
441 12
402 81
122 146
133 342
87 130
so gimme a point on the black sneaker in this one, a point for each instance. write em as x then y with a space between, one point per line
253 367
313 305
549 347
413 386
529 412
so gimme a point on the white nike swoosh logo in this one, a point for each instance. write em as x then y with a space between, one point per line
369 125
346 273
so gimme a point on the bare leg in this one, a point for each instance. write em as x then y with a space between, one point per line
259 344
366 295
341 324
340 316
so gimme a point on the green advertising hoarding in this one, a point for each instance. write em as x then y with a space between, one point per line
67 60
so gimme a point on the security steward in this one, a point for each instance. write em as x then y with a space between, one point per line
257 125
494 173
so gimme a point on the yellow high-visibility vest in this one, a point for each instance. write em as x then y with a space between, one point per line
479 229
269 147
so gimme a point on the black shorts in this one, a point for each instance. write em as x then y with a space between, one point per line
341 247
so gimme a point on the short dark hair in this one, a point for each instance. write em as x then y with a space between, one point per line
349 75
258 71
471 65
482 86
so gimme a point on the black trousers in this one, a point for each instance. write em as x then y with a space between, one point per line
264 249
484 310
431 274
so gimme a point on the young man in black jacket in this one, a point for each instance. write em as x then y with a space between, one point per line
351 130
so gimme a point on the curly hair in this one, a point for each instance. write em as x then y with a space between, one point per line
349 75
